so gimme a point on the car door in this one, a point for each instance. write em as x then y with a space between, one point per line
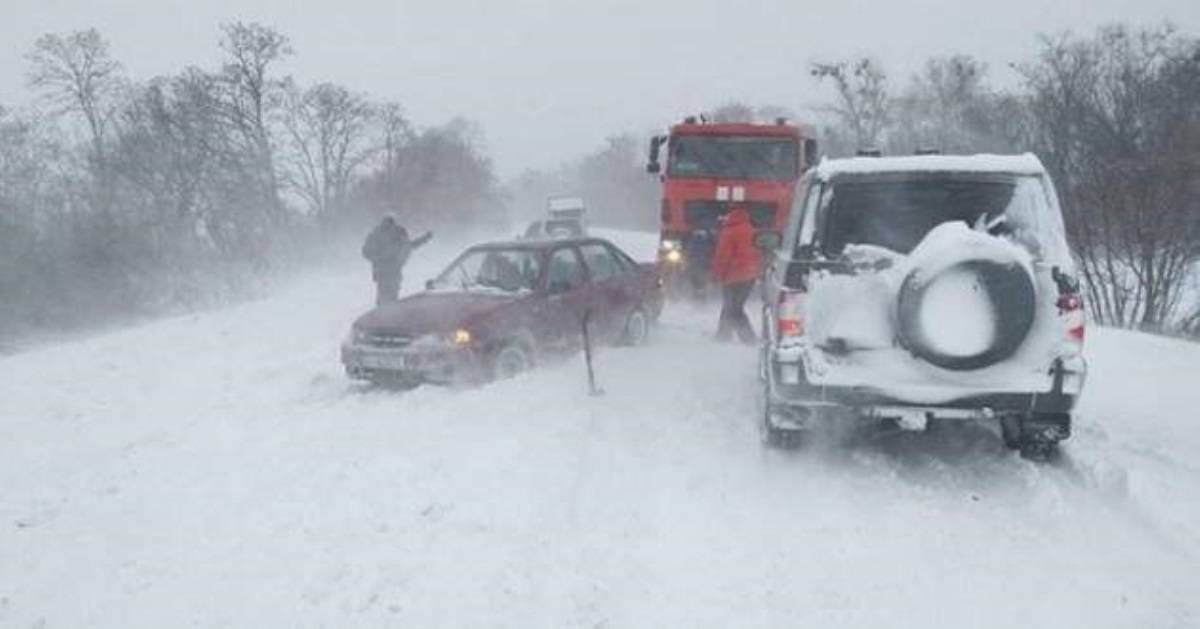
615 288
569 296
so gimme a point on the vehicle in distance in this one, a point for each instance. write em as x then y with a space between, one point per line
566 217
500 307
919 288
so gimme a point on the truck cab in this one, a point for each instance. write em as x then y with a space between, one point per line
709 169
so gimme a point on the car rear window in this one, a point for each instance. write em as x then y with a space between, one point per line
897 211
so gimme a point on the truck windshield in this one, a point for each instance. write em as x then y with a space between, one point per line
896 212
734 157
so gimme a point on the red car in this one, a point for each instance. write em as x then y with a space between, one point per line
499 307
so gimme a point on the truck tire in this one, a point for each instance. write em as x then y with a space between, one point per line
1012 296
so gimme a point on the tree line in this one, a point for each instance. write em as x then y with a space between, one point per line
123 198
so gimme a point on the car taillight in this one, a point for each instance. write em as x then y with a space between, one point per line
1070 311
790 313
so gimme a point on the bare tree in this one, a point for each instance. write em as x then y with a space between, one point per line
330 132
863 105
949 107
76 74
1113 114
252 96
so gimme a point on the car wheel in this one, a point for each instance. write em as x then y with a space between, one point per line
637 328
1011 295
512 359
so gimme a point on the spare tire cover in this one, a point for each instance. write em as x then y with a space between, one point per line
968 307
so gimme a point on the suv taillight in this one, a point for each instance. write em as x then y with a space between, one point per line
790 313
1070 312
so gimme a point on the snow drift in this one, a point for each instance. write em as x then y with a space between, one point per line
217 470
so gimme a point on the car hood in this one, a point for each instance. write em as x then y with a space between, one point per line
430 312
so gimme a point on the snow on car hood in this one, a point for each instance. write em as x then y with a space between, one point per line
431 311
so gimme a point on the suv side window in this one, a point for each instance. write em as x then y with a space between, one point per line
600 262
808 224
566 272
797 213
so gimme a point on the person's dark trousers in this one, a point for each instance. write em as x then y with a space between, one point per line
387 289
733 313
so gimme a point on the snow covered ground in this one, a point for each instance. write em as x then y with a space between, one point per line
217 470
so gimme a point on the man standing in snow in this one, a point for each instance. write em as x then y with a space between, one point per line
736 264
388 248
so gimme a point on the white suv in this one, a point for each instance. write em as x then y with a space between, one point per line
919 288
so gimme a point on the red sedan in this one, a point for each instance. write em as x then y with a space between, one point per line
499 307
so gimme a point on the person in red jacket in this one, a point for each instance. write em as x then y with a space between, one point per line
736 265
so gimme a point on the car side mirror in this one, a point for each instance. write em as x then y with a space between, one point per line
653 168
767 240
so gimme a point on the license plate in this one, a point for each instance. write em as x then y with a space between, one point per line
384 361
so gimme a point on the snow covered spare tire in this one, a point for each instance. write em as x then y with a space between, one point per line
968 301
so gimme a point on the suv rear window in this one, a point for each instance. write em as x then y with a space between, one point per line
896 211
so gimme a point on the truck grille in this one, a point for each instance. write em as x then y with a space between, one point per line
705 214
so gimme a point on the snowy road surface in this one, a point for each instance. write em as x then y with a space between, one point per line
217 470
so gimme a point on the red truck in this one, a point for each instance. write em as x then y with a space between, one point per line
711 168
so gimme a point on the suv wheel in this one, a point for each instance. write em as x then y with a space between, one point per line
1036 436
772 435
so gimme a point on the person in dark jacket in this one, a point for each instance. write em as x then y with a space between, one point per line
736 265
388 248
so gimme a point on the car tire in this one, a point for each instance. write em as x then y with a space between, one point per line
1013 295
510 360
637 328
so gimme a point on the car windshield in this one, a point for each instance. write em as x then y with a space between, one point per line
897 211
506 270
740 157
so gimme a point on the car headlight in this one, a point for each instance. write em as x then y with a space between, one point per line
461 337
670 245
674 256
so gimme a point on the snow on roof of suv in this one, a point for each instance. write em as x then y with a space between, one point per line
1025 164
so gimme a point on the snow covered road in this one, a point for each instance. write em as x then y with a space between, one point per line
217 470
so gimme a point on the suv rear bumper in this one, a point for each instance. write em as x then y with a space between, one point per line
1064 382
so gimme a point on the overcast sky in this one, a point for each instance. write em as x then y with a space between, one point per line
548 79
